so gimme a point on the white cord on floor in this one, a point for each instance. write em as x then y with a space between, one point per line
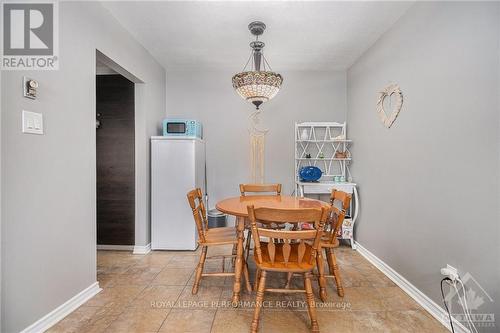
466 306
454 284
463 303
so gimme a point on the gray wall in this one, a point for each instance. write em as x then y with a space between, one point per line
429 186
48 189
1 213
209 97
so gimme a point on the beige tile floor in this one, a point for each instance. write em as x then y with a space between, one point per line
152 293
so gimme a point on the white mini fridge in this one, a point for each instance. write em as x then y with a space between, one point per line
177 166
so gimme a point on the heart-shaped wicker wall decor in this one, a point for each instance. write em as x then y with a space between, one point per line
390 90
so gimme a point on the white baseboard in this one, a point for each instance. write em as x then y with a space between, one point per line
142 249
63 310
428 304
115 247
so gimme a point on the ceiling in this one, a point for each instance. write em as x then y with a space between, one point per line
299 36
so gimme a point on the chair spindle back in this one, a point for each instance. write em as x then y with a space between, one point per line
306 241
195 199
338 214
260 188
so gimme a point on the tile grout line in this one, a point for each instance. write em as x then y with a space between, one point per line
176 300
130 302
217 309
138 294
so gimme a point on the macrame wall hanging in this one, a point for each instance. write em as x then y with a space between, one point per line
257 148
388 93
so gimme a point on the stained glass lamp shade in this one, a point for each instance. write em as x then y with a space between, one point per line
257 86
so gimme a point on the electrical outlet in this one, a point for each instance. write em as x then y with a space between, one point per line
450 271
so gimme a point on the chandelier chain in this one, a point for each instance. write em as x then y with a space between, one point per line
266 63
250 57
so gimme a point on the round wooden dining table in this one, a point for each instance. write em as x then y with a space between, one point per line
237 206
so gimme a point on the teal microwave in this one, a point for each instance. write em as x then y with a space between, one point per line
188 128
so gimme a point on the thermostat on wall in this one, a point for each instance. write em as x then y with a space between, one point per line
30 87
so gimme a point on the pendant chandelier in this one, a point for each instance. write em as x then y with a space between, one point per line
255 85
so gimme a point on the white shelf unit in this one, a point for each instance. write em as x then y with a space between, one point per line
324 140
322 144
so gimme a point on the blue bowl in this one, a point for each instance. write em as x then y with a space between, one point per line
310 174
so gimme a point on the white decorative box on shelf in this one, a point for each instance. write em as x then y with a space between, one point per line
325 145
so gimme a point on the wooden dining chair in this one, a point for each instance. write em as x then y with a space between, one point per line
340 202
245 189
211 237
295 253
260 188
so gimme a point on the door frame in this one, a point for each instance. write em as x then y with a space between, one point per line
141 192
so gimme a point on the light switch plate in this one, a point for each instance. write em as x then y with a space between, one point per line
32 122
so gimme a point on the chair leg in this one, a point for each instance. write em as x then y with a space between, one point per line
235 247
199 270
321 276
288 280
247 277
257 277
247 246
334 269
329 259
258 302
233 259
311 305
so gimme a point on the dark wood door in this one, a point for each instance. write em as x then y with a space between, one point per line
115 160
